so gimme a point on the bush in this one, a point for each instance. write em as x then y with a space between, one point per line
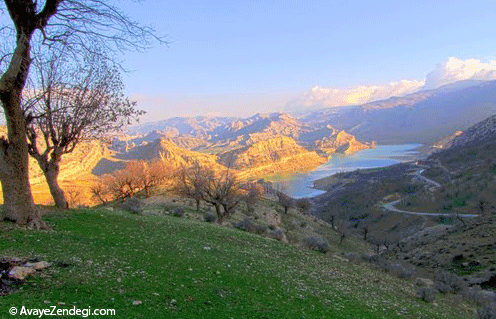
248 225
132 205
448 282
210 217
487 312
478 296
354 258
401 270
277 234
178 212
427 294
318 244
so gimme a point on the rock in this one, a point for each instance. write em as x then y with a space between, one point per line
21 273
39 265
137 302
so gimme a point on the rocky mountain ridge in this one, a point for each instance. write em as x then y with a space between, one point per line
423 117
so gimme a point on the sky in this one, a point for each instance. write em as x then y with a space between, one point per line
236 58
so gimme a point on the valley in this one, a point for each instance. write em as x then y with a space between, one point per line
420 212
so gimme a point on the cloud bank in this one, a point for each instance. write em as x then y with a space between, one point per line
452 70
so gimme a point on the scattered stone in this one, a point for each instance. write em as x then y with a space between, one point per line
137 302
206 248
156 294
61 303
47 301
21 273
173 302
39 265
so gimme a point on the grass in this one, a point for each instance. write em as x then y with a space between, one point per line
182 268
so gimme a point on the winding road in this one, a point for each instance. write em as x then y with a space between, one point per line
390 206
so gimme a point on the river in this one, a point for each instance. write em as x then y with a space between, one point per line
298 185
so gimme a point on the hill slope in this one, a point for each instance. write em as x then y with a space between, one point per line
171 267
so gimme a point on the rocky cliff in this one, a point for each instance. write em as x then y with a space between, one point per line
341 142
166 150
278 154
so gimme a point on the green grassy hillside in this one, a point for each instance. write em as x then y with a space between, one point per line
184 268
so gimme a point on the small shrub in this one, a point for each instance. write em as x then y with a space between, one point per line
448 282
427 294
487 312
317 244
354 258
303 225
132 205
272 227
292 239
277 234
245 224
178 212
259 229
248 225
478 296
371 258
209 217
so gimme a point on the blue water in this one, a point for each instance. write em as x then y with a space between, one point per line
300 184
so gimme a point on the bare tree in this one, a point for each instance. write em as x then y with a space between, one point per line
74 197
254 192
73 103
303 204
285 201
101 190
80 26
147 175
222 189
191 181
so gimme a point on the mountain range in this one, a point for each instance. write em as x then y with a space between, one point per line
423 117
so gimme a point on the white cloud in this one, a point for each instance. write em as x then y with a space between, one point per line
454 70
450 71
329 97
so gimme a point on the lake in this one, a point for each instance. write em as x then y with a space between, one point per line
301 184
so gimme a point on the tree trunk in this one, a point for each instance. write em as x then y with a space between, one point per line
220 217
14 163
51 174
198 204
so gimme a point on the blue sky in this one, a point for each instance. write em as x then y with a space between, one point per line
240 57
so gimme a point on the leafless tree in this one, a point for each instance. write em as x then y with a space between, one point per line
191 181
147 175
253 194
72 103
222 189
101 190
303 204
37 26
365 231
285 201
74 197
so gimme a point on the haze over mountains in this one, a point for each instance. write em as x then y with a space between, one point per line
423 117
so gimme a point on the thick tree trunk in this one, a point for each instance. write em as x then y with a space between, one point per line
14 176
51 175
220 217
198 204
